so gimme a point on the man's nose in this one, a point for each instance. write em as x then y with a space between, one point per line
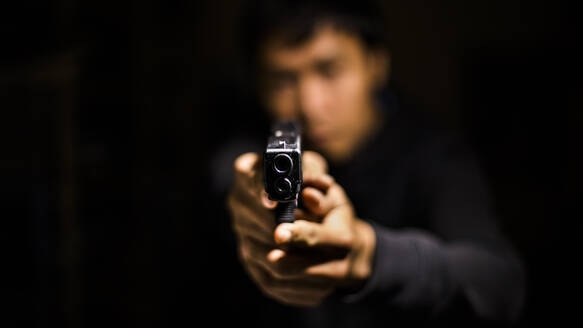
312 98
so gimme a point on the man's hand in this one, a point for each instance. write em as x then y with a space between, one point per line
299 263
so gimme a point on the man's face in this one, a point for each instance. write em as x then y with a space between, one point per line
327 83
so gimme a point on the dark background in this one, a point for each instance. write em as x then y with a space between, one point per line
109 112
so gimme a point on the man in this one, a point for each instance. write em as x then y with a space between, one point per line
403 199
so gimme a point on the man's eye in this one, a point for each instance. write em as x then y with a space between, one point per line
329 71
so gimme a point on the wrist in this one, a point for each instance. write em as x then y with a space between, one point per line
363 250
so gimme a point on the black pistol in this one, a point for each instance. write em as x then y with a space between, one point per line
283 168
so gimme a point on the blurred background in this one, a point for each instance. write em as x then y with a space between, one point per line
110 110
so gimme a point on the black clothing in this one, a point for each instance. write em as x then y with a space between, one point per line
439 255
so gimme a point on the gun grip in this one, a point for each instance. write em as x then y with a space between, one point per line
284 212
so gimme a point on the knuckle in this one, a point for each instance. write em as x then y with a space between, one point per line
328 179
311 238
235 227
268 281
346 238
305 233
336 193
344 269
230 200
266 290
277 274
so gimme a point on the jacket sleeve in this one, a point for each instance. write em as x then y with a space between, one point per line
459 263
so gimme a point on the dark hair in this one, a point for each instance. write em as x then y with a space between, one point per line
295 22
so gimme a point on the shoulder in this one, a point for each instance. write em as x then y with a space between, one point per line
422 133
430 149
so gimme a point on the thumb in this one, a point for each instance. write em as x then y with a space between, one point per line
312 234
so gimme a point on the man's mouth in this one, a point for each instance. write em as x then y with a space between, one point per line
319 138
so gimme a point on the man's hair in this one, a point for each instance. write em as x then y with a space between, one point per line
295 21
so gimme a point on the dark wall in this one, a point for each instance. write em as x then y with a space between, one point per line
109 112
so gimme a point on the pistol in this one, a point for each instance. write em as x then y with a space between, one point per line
282 164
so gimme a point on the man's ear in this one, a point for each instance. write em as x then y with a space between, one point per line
379 61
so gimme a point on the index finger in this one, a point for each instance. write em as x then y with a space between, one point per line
248 173
313 164
245 167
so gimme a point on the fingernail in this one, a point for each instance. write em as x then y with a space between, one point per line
275 255
284 235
